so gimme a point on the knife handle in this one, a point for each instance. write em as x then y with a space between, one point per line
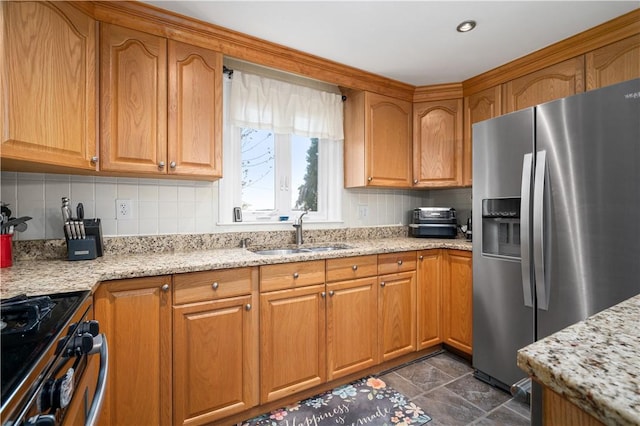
67 228
80 211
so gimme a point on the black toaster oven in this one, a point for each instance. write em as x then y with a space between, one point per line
434 222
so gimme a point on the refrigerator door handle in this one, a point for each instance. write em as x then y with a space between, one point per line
525 256
539 243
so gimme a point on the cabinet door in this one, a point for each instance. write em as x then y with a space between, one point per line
477 107
396 315
352 328
388 136
215 362
133 101
457 299
437 143
135 315
195 111
554 82
429 298
48 105
292 341
614 63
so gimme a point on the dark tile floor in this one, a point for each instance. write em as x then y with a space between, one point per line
444 387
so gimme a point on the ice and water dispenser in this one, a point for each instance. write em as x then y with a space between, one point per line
501 227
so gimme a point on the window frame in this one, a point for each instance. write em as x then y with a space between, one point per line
330 180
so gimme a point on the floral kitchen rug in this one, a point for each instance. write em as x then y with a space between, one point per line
365 402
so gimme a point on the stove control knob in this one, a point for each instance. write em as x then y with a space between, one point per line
42 420
57 393
80 345
92 327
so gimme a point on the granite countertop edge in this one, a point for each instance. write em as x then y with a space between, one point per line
593 363
37 277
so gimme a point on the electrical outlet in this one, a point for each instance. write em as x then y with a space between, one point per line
123 209
363 211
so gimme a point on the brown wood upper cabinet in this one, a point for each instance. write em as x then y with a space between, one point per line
140 134
477 107
554 82
437 143
614 63
48 105
377 143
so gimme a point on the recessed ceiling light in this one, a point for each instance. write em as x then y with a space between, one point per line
466 26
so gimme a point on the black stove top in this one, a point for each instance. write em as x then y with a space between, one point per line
30 325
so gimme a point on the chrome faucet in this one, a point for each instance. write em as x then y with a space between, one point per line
298 225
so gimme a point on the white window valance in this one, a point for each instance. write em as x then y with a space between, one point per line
263 103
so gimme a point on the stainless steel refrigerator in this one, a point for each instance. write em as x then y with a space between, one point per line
556 215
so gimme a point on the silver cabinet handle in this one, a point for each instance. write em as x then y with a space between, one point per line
94 160
165 288
354 267
331 293
215 285
247 306
399 262
161 164
382 284
295 275
172 164
415 181
323 294
420 257
369 178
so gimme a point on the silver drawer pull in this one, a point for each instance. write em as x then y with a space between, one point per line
354 267
323 294
331 293
295 275
420 257
382 284
215 285
247 306
165 288
399 262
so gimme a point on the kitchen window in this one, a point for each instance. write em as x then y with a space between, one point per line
271 171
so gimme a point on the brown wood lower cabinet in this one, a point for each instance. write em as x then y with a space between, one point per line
396 315
215 359
215 344
457 301
557 410
351 326
292 340
429 298
135 316
207 347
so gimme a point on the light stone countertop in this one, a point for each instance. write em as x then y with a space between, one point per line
37 277
595 363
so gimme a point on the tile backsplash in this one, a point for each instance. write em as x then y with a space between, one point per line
164 206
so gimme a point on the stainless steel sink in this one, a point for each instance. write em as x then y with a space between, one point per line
286 251
280 252
327 248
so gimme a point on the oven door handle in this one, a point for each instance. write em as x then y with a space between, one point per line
100 346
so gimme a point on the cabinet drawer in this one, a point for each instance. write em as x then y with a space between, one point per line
290 275
348 268
390 263
211 285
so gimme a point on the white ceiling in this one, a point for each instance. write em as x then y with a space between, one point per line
410 41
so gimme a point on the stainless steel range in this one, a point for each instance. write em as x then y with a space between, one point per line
49 373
